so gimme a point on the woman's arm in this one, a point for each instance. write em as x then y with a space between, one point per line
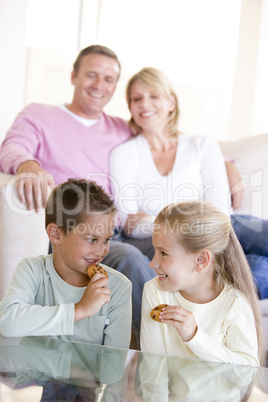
235 183
125 190
215 182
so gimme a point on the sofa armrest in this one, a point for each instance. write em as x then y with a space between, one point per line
22 232
250 156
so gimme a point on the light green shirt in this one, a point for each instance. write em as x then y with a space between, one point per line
39 302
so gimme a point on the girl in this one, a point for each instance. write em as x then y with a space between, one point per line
203 276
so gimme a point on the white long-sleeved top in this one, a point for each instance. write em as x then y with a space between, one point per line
198 173
226 327
39 302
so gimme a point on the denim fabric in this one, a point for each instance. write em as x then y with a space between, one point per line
252 234
54 391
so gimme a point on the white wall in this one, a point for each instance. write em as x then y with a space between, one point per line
248 66
194 42
260 111
13 60
220 77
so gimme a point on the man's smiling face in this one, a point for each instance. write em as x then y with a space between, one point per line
94 83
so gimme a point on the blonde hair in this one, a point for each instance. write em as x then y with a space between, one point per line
160 82
200 225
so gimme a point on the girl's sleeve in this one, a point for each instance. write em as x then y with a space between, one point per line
152 336
214 176
239 344
21 316
125 190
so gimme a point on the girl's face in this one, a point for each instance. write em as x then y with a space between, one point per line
149 108
175 267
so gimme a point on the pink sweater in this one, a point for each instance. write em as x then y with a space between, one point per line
62 145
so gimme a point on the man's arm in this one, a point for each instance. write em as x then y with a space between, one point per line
19 156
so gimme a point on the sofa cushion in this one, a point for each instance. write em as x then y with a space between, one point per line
251 158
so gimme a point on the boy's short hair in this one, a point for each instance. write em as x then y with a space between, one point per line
75 200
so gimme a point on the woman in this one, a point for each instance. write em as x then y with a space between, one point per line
161 166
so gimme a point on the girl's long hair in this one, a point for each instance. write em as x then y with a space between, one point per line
200 225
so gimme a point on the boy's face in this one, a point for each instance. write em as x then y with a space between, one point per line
86 244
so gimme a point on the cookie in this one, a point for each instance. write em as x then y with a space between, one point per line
93 269
155 313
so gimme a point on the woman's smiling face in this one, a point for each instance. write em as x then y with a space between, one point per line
149 108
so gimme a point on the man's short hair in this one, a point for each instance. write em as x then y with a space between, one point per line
75 200
95 49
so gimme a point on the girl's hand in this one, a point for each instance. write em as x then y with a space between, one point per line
96 295
181 319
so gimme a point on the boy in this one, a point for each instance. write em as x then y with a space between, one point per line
52 295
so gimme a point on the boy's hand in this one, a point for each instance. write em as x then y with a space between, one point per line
181 319
96 295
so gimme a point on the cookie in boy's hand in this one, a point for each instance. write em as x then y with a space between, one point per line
156 311
93 269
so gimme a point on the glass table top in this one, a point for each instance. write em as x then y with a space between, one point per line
45 369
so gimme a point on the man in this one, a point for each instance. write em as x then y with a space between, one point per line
47 144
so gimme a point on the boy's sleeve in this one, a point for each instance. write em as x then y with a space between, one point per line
20 316
118 330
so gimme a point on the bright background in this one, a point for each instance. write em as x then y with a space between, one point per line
214 51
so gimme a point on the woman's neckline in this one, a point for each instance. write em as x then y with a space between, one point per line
156 155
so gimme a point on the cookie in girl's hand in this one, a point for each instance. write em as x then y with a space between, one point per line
93 269
156 311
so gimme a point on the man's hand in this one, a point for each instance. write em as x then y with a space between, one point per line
32 185
235 183
96 295
181 319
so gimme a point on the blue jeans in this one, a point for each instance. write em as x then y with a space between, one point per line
252 234
131 262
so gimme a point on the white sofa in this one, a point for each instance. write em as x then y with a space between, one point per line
22 232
